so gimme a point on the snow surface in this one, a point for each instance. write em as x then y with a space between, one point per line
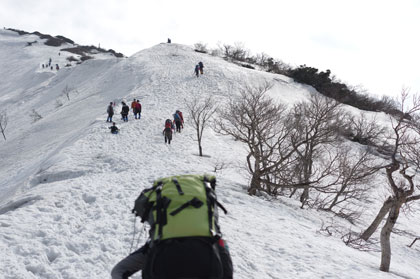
68 185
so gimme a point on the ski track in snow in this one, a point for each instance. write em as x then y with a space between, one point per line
71 215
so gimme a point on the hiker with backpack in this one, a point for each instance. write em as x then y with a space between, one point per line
137 109
110 111
182 118
196 70
114 129
167 132
185 239
201 67
178 121
124 111
133 107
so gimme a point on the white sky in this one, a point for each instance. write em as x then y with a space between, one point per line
371 43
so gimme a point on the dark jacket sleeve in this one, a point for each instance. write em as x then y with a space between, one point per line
226 262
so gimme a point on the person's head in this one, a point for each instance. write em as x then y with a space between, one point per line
123 103
134 100
138 101
110 103
113 123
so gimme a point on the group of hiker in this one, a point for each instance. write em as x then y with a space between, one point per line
199 69
177 124
171 126
50 65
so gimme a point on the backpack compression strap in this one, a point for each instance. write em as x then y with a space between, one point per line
178 187
161 207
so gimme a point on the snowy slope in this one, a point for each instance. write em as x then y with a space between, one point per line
68 185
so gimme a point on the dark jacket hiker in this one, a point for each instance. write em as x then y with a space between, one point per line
185 238
124 112
110 111
114 129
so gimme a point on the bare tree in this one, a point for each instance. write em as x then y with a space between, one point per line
253 119
406 139
200 112
315 124
3 123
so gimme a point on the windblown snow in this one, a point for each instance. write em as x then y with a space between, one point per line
68 185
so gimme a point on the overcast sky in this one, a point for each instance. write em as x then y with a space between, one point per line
371 43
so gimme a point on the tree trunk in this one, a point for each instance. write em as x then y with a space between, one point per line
386 235
200 149
255 183
293 192
375 224
304 197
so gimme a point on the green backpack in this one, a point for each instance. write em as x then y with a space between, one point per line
180 206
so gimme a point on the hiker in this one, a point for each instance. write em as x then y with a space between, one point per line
182 118
110 111
124 112
194 250
201 67
167 132
133 107
178 121
169 41
114 129
57 67
137 109
49 62
42 66
196 70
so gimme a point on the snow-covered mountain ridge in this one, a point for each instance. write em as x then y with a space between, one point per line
68 185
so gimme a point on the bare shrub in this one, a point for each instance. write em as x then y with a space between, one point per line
201 47
66 91
365 131
35 116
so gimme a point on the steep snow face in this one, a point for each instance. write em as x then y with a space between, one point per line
68 185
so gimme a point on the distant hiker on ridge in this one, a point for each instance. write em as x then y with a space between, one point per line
169 41
110 111
196 70
201 66
124 112
114 129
